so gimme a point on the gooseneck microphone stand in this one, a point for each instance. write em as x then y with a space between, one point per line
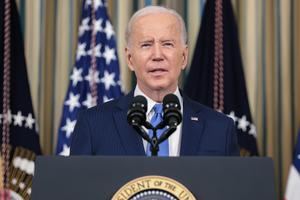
136 117
154 144
154 141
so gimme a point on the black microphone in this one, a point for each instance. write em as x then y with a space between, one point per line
136 114
172 116
172 110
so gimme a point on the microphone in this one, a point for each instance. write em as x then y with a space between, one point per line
172 110
136 114
136 117
172 116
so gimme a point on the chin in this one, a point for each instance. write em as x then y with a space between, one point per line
160 87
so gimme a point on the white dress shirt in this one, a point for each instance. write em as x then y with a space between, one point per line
175 138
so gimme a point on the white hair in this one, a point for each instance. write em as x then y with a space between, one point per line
155 10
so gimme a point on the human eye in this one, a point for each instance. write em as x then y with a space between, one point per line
145 45
168 44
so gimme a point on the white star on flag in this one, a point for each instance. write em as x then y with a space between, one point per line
232 116
252 130
97 51
18 119
7 117
109 54
76 76
108 80
69 127
29 121
65 151
98 26
243 123
84 26
108 30
89 102
87 3
80 51
97 4
73 101
92 77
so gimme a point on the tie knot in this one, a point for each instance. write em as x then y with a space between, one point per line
158 108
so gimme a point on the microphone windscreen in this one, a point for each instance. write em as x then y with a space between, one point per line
171 99
137 110
140 101
172 110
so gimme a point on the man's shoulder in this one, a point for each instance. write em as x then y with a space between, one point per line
204 110
109 106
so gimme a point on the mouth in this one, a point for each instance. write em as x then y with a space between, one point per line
158 71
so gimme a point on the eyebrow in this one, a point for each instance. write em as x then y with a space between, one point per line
167 40
146 41
162 40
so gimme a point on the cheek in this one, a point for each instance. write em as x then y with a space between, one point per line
139 59
178 63
178 72
134 63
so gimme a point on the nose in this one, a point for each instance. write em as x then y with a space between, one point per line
157 52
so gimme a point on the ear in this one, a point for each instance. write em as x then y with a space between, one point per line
185 55
129 58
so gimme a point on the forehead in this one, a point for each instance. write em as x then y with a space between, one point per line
156 24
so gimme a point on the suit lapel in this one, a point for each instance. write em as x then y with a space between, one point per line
193 126
132 142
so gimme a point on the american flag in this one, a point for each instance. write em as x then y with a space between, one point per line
95 77
293 183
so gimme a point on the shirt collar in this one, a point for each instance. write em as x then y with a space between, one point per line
151 103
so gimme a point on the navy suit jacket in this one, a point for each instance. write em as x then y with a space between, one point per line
103 130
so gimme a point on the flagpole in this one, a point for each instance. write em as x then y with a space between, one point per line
6 100
94 88
218 98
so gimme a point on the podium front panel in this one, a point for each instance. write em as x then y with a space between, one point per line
100 177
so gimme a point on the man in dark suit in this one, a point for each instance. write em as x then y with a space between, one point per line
157 52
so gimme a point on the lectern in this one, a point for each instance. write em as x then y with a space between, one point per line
102 177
